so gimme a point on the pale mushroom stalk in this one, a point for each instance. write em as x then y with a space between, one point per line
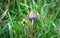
32 21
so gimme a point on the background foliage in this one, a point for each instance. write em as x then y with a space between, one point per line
47 25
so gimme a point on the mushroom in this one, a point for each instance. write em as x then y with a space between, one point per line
32 16
23 20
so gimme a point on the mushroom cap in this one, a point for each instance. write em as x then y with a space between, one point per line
32 15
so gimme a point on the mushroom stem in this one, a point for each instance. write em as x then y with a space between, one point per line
32 21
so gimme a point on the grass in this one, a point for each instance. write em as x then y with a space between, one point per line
47 25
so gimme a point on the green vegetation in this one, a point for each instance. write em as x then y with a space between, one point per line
12 13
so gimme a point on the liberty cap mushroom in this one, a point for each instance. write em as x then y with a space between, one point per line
32 16
23 20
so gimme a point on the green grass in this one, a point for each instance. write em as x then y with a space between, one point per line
47 24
